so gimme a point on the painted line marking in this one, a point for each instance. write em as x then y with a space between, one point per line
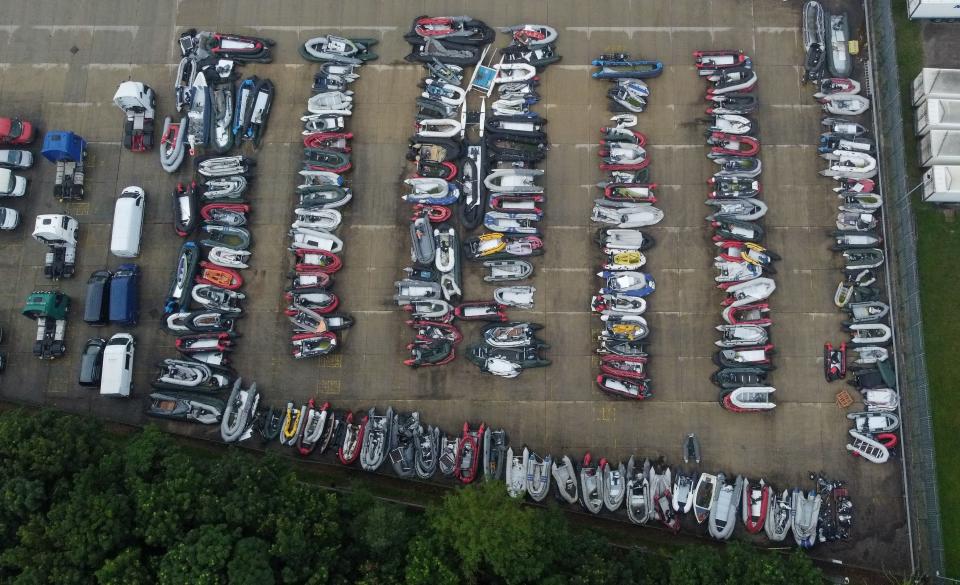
330 361
328 387
776 29
55 28
78 208
606 414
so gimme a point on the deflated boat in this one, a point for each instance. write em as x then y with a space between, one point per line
494 454
349 448
806 512
538 476
614 486
704 496
186 406
516 473
565 475
639 501
723 514
591 485
376 438
238 416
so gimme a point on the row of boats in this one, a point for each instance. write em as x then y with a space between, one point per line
744 267
489 178
646 491
322 194
858 241
204 301
216 113
627 204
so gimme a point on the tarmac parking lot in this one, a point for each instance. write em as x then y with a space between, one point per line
61 62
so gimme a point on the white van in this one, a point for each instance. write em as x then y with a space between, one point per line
127 223
116 377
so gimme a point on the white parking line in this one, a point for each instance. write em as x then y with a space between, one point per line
777 29
76 104
631 30
299 29
55 28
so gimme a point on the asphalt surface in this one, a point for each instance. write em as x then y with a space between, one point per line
61 62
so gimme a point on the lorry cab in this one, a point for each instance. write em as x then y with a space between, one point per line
116 377
127 223
96 308
12 185
125 295
54 229
137 102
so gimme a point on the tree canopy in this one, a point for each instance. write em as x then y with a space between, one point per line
79 505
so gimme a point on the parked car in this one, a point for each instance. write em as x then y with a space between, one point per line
91 362
96 308
16 159
127 223
16 131
12 185
9 218
117 374
125 295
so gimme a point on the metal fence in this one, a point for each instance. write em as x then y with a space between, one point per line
923 505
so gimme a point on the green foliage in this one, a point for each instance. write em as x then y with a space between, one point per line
740 564
200 558
250 563
142 510
123 569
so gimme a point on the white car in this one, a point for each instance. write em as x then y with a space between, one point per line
12 185
16 159
9 218
116 376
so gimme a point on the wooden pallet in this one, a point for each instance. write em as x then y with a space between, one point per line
844 400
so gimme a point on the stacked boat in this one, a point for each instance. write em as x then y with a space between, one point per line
744 267
626 204
322 194
483 166
215 115
204 301
866 358
826 44
432 285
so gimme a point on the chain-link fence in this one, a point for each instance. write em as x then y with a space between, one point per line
901 248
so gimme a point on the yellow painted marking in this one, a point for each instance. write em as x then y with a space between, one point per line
606 414
328 387
334 360
77 208
594 361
